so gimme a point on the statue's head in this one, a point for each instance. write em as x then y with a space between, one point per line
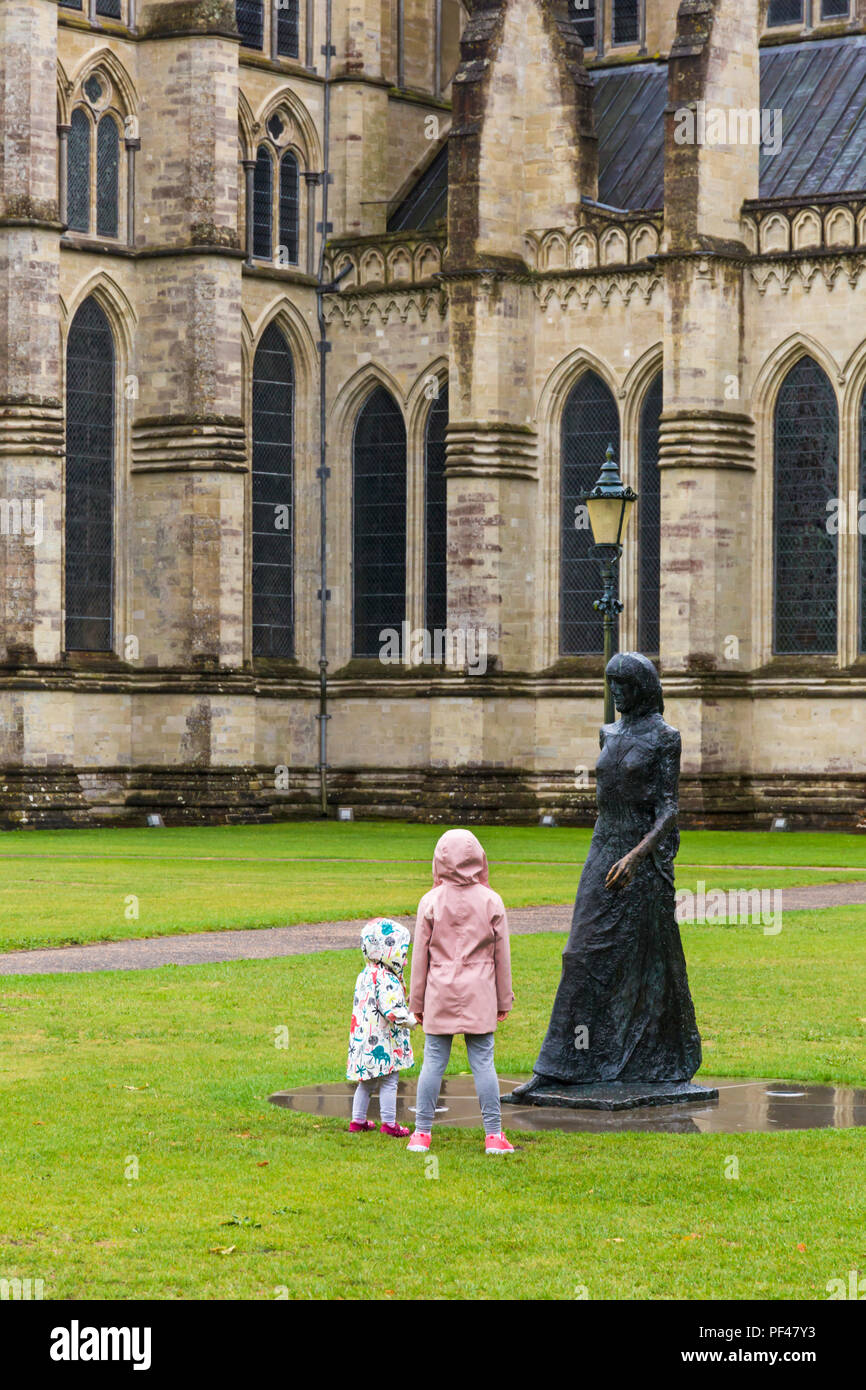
635 683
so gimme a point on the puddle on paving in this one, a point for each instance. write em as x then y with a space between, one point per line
742 1107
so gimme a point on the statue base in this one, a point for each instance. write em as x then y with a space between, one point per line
610 1095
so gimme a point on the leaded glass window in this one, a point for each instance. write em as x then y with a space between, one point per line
70 4
89 492
625 22
583 14
273 497
107 177
835 9
78 172
784 12
289 207
109 8
93 89
250 16
590 423
435 515
287 28
806 479
263 211
379 515
649 520
861 522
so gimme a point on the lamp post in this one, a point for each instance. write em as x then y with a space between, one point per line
610 505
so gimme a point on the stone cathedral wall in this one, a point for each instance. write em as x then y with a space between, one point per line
180 718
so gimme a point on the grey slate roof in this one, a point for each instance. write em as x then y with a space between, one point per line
819 86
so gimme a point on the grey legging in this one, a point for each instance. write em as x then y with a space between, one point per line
437 1050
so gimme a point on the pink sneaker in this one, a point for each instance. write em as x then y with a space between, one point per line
395 1131
360 1126
497 1144
419 1143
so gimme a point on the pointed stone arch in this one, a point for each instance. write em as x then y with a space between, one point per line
303 121
115 304
246 126
108 61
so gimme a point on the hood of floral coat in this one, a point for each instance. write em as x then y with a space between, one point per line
384 942
459 858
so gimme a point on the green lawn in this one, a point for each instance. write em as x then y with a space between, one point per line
171 1068
63 887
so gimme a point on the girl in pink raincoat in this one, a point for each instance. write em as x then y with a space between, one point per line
379 1046
461 981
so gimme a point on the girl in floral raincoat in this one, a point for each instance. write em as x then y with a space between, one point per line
379 1043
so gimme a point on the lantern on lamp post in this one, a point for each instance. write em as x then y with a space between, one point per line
610 505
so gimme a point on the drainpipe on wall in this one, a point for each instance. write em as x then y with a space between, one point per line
323 288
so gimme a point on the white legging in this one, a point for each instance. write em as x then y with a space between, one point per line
387 1098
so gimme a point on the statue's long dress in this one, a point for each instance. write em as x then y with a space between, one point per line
623 971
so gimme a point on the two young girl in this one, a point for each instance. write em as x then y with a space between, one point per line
461 983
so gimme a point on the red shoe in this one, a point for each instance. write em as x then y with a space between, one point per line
419 1143
395 1131
497 1144
359 1126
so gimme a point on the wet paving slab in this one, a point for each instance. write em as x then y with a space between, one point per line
743 1107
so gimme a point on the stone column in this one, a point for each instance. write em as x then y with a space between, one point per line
187 509
312 181
707 448
31 417
508 174
359 123
131 146
249 168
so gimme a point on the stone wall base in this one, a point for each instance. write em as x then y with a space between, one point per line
64 797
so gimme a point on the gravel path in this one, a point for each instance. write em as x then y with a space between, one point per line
268 942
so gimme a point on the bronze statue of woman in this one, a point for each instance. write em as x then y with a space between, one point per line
623 1011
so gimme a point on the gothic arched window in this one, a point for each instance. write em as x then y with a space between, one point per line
107 178
784 12
89 482
435 515
582 14
379 516
290 202
93 164
649 520
861 521
263 198
806 478
590 422
625 21
78 172
250 16
288 28
273 494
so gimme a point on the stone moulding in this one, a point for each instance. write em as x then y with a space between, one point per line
706 439
180 444
480 450
29 429
588 287
784 268
65 795
388 307
188 18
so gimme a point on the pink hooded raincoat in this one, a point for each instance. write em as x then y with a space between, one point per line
461 961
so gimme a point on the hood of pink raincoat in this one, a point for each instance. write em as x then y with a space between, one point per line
385 943
459 858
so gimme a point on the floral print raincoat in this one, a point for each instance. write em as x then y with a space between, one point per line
379 1036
